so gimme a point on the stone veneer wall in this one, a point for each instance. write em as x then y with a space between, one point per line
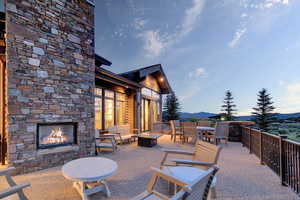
50 62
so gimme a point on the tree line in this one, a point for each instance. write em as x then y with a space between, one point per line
262 113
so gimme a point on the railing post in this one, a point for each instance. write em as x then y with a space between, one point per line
281 154
242 135
250 149
261 147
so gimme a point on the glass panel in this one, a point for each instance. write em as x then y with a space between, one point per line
146 92
155 95
143 115
155 112
109 94
121 97
98 91
109 113
147 113
98 113
121 112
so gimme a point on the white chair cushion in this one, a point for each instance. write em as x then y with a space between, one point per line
187 174
104 145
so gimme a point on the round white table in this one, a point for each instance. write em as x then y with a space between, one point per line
89 174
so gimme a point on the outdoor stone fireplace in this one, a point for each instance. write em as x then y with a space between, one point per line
50 78
51 135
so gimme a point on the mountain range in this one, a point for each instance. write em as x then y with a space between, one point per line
203 115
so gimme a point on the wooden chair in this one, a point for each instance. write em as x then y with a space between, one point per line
14 188
176 130
204 123
189 131
196 190
205 156
221 133
105 141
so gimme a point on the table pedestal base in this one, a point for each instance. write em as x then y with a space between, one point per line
86 189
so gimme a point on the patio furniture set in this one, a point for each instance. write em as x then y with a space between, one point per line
121 135
199 131
191 179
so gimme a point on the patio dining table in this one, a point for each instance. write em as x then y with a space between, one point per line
89 174
202 130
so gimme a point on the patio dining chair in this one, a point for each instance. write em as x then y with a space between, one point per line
176 130
14 188
189 131
195 190
221 133
204 123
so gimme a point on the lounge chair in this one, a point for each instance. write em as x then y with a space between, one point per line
14 188
176 130
195 190
205 156
122 132
105 141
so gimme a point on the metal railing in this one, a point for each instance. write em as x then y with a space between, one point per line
277 152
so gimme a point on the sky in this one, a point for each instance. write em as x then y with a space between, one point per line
207 47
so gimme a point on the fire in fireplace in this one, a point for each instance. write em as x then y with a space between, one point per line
56 134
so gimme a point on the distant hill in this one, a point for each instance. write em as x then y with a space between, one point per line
200 115
204 115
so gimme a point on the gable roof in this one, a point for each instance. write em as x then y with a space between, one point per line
156 71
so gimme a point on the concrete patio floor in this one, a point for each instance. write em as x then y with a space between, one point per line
240 176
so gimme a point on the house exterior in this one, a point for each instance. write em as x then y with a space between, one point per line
55 90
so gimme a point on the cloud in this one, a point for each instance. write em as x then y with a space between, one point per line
237 36
191 16
155 42
189 93
253 11
291 100
199 72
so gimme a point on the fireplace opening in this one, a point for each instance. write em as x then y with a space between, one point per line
56 134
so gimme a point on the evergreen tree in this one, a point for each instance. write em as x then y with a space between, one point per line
262 114
171 109
228 107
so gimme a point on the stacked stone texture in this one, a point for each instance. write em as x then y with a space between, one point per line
50 62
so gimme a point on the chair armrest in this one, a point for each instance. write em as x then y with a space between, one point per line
13 190
105 137
175 151
168 177
192 162
6 171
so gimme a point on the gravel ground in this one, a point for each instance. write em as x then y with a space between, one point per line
241 177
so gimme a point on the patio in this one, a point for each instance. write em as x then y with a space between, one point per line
240 176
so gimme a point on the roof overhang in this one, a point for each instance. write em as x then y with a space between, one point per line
108 76
156 71
99 60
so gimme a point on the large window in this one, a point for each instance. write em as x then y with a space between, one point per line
109 108
120 109
115 108
98 108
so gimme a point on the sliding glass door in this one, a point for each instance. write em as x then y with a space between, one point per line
146 118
